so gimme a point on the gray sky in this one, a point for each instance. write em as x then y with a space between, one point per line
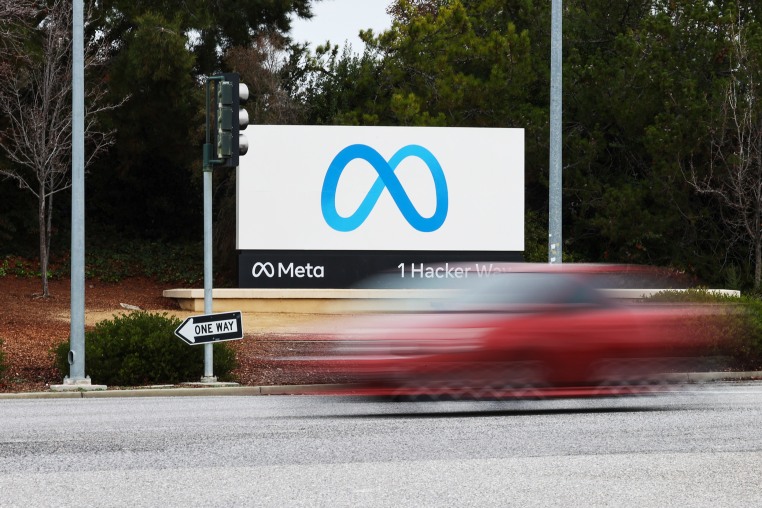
341 20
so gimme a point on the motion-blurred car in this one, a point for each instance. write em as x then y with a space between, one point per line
524 331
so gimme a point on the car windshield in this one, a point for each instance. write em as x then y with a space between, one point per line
527 290
523 291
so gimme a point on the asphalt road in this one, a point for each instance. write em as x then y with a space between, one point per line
702 448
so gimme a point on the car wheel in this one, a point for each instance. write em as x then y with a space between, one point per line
524 379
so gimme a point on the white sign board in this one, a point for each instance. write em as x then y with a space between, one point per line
331 188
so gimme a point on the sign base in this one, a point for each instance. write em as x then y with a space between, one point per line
77 385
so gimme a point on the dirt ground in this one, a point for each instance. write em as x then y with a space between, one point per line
30 327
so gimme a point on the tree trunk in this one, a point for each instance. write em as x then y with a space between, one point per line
758 209
758 247
42 218
758 263
48 234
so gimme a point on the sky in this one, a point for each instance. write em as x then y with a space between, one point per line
340 21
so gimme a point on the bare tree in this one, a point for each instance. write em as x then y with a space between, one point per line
262 67
734 175
35 98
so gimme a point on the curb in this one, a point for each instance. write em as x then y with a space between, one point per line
243 391
176 392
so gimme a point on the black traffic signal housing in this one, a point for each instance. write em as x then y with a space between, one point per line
232 118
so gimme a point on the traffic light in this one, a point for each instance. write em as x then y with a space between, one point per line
231 119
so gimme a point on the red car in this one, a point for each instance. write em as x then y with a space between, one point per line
526 330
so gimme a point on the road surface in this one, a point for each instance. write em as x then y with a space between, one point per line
702 448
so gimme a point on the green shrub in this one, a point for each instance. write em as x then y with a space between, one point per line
141 348
162 261
20 267
737 324
694 295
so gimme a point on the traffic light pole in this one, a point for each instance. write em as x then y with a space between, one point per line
208 351
229 119
209 163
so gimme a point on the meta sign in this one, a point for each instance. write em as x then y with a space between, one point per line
326 206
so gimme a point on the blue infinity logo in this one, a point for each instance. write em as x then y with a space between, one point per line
386 180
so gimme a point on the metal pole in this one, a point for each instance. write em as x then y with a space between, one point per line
208 283
208 352
77 344
555 241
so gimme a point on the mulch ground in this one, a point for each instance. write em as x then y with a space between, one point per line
30 327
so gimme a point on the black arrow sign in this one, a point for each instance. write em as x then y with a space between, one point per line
211 328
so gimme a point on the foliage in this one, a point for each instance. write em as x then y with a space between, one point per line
733 176
737 323
645 83
456 66
20 267
211 28
18 221
622 207
158 260
140 348
687 49
147 184
535 239
270 75
162 51
169 262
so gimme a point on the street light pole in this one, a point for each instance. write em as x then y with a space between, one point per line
555 240
76 380
77 346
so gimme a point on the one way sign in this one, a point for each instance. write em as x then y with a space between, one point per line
211 328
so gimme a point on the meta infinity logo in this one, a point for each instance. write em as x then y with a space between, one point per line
386 180
266 269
